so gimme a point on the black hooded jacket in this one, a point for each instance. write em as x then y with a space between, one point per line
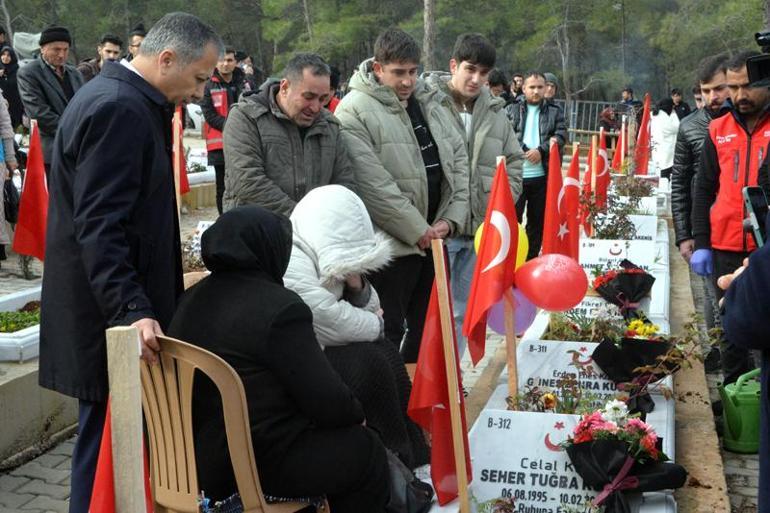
244 314
10 87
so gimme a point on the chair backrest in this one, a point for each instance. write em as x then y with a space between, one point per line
167 403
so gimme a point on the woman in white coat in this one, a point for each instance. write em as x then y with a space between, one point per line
664 125
334 247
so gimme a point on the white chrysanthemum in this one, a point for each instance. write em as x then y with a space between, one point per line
615 411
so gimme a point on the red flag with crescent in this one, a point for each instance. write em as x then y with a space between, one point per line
587 192
562 201
603 172
495 264
642 149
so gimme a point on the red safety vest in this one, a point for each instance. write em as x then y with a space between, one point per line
740 154
220 101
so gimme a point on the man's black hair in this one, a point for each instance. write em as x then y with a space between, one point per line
301 61
240 55
628 90
710 66
229 49
395 45
111 38
696 89
738 61
517 75
334 77
497 78
676 90
475 49
536 74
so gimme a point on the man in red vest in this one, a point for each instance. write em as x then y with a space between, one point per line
222 90
732 153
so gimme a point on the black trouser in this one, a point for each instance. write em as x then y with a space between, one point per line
666 173
91 417
347 464
735 360
404 289
219 175
533 197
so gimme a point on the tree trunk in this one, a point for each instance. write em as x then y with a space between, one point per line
429 39
7 22
767 14
308 24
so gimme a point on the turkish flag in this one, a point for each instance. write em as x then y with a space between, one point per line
642 150
184 183
29 237
562 200
618 158
587 192
103 492
603 173
495 263
429 403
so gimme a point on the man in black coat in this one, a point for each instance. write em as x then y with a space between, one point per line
536 121
113 252
47 84
693 131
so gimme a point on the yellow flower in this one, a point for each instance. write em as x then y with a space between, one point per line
549 401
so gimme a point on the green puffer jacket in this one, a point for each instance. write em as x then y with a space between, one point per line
493 136
390 173
268 162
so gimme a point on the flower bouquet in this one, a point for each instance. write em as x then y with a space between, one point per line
625 287
616 454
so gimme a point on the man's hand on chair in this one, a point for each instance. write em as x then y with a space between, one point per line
148 330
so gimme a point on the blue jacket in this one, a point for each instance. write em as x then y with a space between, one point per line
744 320
112 244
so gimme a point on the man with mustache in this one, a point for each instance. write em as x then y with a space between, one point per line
730 160
693 131
280 142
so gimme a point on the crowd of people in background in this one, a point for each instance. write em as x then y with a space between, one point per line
320 259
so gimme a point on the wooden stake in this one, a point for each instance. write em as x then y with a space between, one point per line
594 162
123 351
510 330
623 142
447 334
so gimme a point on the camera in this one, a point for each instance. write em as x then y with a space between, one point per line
759 66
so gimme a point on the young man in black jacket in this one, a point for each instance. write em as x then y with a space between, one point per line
536 122
689 143
223 89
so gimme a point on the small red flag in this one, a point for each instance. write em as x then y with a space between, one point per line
429 404
495 264
562 201
642 149
619 158
603 173
587 192
103 493
184 183
29 237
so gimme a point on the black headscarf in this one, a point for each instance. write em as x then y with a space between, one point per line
13 66
248 239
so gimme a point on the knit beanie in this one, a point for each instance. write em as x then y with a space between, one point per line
550 77
54 33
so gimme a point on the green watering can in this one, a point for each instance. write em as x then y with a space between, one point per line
740 401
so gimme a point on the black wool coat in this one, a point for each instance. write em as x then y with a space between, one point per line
112 245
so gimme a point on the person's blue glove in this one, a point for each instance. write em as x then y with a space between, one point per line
702 262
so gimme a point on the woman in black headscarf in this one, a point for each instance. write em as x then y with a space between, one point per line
306 425
9 65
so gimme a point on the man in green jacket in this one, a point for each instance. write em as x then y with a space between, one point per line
411 172
480 120
280 143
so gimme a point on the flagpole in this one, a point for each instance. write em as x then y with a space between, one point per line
594 162
177 147
623 142
447 335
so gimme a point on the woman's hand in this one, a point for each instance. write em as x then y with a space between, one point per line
354 282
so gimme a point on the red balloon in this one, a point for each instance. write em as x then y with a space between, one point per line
552 282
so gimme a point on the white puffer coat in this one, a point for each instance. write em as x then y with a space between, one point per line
334 238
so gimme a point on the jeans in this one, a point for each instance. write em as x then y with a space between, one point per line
705 300
219 175
462 260
533 198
